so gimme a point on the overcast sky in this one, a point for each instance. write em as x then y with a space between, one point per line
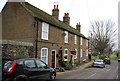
83 11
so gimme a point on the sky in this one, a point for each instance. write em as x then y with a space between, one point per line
83 11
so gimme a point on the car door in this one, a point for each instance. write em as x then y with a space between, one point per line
43 70
30 69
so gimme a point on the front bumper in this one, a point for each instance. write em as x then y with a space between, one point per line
98 65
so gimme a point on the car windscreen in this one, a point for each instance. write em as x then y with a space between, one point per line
98 60
107 58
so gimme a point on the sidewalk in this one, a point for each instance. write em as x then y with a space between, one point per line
81 67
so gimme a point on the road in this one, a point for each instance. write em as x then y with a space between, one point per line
109 72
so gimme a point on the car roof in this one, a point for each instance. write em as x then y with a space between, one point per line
27 59
107 58
19 58
98 60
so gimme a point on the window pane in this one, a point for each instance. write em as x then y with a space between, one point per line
65 55
81 41
30 63
75 57
66 37
45 30
81 53
44 54
66 52
40 63
44 59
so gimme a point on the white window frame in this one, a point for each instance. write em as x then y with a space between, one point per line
66 37
81 53
75 57
46 54
45 31
66 54
75 39
81 41
86 42
86 52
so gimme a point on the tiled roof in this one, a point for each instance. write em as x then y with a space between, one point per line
43 16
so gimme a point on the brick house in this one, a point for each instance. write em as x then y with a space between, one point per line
52 39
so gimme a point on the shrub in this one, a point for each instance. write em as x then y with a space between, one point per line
63 63
102 57
66 65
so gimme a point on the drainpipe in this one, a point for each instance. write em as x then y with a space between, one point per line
36 40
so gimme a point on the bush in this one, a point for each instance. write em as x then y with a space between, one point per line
63 63
94 57
102 57
66 65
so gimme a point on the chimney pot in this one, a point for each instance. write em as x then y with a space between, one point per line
66 14
55 6
55 12
66 18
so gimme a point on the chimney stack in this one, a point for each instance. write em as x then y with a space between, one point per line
78 27
55 12
66 18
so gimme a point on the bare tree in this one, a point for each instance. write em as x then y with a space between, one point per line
102 36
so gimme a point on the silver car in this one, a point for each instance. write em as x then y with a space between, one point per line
99 63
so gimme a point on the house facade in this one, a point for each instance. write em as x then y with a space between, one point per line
53 40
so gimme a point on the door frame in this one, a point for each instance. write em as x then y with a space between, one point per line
55 57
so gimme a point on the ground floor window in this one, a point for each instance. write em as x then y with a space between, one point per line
75 57
81 53
86 52
44 55
66 55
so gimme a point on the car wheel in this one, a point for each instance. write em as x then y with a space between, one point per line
103 66
52 77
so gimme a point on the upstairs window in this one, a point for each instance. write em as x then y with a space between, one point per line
75 39
86 42
81 41
45 31
66 37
